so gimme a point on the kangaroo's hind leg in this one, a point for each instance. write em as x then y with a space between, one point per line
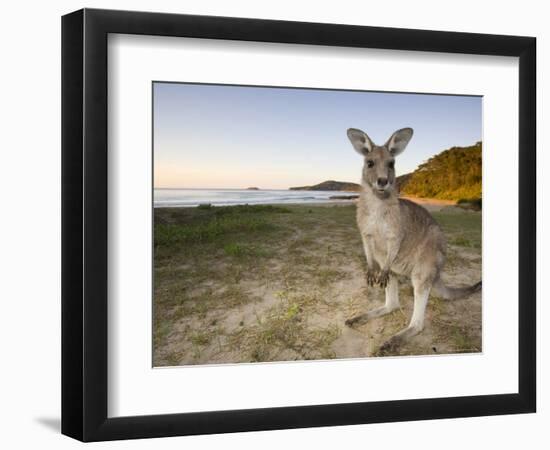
392 303
422 285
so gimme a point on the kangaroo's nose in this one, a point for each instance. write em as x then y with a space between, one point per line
382 181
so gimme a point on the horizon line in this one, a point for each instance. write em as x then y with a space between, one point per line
243 189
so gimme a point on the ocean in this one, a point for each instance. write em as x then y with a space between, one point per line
226 197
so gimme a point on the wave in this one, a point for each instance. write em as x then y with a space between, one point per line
221 197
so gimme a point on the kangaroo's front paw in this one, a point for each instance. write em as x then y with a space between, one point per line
383 278
371 277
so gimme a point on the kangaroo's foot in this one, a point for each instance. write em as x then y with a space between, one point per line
393 343
357 320
372 276
364 318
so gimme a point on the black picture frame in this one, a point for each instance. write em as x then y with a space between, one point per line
84 224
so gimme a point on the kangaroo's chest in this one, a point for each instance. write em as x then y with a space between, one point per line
378 225
382 223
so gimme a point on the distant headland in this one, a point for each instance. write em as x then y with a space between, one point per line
330 185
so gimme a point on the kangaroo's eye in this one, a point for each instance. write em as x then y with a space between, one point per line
391 164
370 163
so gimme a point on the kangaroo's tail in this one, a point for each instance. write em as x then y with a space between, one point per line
453 293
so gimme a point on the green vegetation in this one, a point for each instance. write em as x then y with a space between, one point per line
330 185
461 228
473 204
211 223
453 174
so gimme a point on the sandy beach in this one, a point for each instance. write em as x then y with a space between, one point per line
431 204
276 283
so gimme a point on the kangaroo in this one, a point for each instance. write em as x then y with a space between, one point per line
399 237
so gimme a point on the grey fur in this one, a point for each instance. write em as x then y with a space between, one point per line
399 236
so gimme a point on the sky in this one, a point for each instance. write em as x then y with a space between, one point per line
219 136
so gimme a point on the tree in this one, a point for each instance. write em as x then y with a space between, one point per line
453 174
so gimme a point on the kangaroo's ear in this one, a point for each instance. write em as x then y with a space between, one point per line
360 141
399 140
